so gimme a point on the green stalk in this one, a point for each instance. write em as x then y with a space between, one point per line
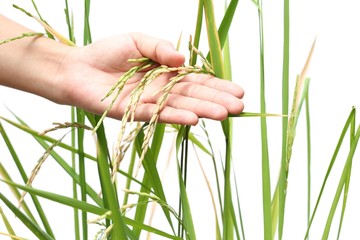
80 116
68 169
343 183
307 108
80 136
151 172
7 224
349 121
108 189
33 227
74 184
197 35
23 127
69 22
264 139
216 57
22 172
213 39
285 111
146 182
183 170
87 31
5 175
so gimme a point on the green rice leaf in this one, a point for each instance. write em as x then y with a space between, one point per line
110 197
151 171
155 148
347 124
33 227
7 224
184 201
264 139
343 184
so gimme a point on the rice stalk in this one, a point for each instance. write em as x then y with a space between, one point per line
65 125
285 110
38 166
296 107
152 198
118 87
182 72
121 150
47 27
135 95
23 35
149 76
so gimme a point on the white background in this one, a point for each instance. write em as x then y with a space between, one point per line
333 91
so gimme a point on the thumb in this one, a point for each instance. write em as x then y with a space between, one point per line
158 50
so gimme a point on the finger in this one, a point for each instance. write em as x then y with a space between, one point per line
168 115
159 50
216 83
194 94
202 108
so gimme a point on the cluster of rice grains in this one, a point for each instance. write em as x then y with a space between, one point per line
152 72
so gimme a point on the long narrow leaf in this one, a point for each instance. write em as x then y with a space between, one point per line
33 227
343 183
349 120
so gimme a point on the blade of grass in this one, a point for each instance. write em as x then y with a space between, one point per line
87 31
266 186
22 172
22 126
347 124
84 206
308 137
33 227
213 39
108 189
5 175
41 18
226 23
185 205
285 111
68 169
69 22
218 67
197 34
80 117
7 224
155 149
74 184
47 27
183 134
153 174
343 183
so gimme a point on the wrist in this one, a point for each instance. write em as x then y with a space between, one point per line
31 64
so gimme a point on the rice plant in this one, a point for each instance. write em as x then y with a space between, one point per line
130 198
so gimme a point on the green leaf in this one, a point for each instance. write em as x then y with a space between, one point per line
33 227
349 121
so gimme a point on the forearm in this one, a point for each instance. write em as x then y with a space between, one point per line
30 64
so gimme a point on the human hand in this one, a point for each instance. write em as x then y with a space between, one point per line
88 73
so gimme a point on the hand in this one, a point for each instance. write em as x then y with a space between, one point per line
88 73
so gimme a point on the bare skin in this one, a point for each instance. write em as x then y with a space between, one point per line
81 76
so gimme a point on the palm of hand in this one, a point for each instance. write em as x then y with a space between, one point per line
95 69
